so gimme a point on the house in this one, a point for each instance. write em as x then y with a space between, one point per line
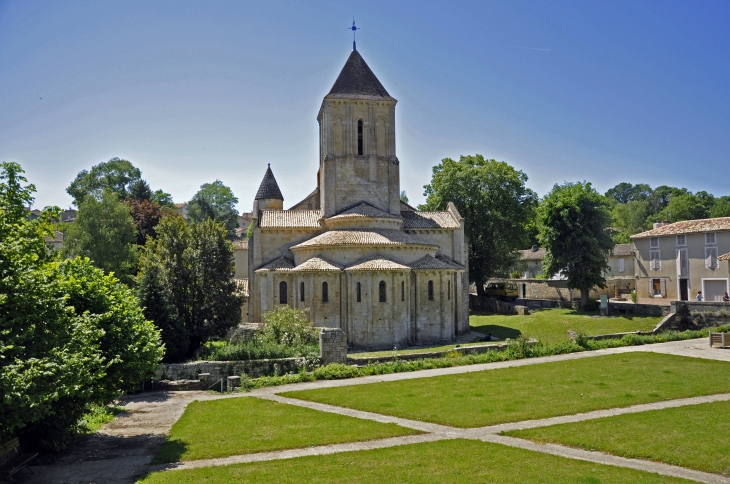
675 261
620 277
351 253
182 209
240 259
531 262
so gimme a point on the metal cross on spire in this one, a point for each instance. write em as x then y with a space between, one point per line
354 29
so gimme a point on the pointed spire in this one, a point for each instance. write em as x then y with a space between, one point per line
269 189
356 80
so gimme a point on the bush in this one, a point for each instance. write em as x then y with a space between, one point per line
253 350
633 296
287 326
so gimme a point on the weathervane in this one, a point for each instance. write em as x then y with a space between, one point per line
354 29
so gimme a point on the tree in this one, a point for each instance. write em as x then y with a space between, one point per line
163 199
626 192
115 175
104 232
685 206
628 219
495 204
573 220
140 190
721 207
146 215
194 272
71 336
403 196
215 201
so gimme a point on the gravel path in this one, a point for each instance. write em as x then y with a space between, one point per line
121 451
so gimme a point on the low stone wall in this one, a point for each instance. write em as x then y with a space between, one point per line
694 314
496 306
224 369
464 350
639 309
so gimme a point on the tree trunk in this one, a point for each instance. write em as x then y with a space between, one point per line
584 293
480 289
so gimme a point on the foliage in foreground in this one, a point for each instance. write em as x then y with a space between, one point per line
71 337
287 333
518 349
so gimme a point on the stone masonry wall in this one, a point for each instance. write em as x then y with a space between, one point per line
332 346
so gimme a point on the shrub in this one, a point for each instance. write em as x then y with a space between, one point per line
633 296
287 326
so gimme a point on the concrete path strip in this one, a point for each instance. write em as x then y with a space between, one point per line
611 412
309 451
606 459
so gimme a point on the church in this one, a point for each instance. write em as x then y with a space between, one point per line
352 254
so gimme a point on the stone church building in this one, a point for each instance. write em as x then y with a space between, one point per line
351 253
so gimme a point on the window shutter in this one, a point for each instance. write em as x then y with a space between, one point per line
651 288
679 263
711 257
664 287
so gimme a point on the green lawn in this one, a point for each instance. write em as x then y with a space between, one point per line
693 436
247 425
450 461
534 391
551 325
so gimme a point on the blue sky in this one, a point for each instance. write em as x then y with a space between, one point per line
191 92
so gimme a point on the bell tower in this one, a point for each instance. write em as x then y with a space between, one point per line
357 142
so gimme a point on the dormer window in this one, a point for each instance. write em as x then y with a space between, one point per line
359 137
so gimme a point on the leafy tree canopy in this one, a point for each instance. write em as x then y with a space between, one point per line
186 284
104 231
115 175
403 196
146 215
72 337
573 221
496 205
215 201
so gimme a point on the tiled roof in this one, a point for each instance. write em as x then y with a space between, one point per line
363 237
429 220
428 262
280 264
269 188
357 81
623 250
317 264
241 244
362 210
724 256
57 237
452 263
302 219
377 263
688 227
241 286
180 205
529 254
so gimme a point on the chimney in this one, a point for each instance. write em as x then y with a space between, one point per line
535 248
660 224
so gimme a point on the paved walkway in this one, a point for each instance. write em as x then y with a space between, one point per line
120 453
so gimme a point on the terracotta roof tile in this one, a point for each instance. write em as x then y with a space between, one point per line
724 256
688 227
529 254
363 237
429 220
299 219
378 263
317 264
279 265
428 262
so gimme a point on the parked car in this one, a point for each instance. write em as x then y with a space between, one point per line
502 290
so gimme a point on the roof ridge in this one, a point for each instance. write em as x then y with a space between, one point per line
269 188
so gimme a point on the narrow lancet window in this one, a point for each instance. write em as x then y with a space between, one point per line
382 291
359 294
402 290
430 290
282 293
359 137
325 292
301 291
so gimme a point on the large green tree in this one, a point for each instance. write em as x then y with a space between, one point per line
628 219
70 336
721 207
574 220
496 206
189 267
115 175
104 231
215 201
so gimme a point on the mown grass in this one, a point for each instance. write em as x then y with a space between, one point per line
248 425
452 461
534 391
551 325
694 436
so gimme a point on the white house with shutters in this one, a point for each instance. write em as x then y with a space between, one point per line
676 261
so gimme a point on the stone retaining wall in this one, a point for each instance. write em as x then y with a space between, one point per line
694 314
639 309
224 369
353 359
496 306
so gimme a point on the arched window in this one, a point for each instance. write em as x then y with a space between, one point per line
382 291
359 137
359 294
325 292
430 290
402 290
449 290
282 292
301 291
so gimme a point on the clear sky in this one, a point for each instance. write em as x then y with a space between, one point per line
191 92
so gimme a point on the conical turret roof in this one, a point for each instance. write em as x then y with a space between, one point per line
269 188
356 80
